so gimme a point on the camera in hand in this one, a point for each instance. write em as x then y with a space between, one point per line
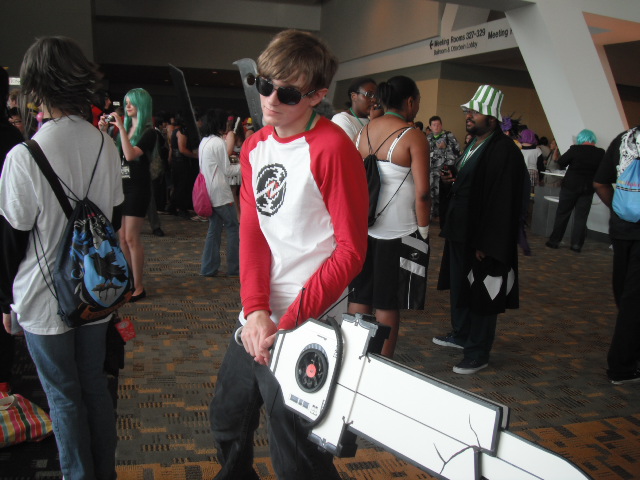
110 118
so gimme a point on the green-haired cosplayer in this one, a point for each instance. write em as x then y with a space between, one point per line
137 141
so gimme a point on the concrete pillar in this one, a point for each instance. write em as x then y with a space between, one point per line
572 79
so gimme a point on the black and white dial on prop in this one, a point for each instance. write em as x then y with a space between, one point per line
312 368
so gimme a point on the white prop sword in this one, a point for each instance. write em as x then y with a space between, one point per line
333 377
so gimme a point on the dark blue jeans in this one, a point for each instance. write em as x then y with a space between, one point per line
71 369
624 352
242 387
227 216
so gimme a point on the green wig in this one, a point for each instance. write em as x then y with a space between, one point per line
141 99
586 136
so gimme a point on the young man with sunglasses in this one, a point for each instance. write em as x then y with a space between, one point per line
303 237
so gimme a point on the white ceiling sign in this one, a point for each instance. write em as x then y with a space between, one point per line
483 38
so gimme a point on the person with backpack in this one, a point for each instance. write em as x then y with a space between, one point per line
56 75
137 142
621 166
403 207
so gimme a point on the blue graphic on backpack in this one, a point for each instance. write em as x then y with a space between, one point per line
91 277
626 197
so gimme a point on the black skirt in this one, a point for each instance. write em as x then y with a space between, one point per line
136 198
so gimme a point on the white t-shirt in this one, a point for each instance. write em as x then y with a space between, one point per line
215 167
350 124
71 145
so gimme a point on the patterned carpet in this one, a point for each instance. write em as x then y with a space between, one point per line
548 365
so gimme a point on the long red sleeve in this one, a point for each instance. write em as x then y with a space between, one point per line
310 188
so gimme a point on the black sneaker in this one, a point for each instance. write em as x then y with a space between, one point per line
575 248
447 340
551 244
633 378
158 232
468 366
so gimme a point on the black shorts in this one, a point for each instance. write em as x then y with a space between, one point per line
377 284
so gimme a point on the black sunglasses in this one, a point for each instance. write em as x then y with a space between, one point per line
286 95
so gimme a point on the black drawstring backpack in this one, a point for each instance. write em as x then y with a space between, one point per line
373 178
91 277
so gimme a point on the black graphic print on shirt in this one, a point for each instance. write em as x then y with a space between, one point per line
271 186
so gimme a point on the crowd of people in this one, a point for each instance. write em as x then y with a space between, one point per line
302 246
61 107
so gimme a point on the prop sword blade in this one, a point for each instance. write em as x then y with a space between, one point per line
248 73
177 76
440 428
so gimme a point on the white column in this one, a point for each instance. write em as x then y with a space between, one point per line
572 80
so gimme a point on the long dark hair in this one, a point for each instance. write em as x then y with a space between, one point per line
214 122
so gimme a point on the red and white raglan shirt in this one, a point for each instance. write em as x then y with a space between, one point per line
303 230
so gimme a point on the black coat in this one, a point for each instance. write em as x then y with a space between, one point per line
583 162
494 210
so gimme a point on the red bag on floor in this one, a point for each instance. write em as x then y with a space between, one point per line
126 329
22 421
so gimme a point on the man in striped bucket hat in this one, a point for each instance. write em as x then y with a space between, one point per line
480 259
487 101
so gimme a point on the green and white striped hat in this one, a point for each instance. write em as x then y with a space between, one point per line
487 101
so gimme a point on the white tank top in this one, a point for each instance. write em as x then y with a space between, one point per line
399 217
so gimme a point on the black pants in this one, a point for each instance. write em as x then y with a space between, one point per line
7 349
445 196
578 201
185 171
242 387
624 351
159 193
473 330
